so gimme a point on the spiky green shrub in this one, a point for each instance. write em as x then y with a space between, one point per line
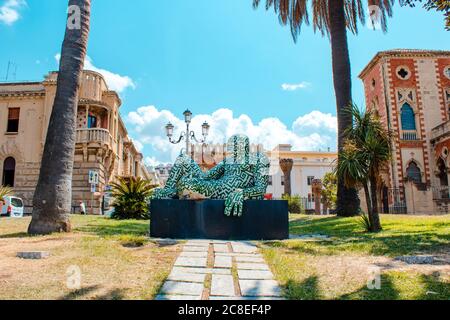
364 221
131 197
4 192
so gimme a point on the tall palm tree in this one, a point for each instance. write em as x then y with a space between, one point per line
333 18
53 195
365 154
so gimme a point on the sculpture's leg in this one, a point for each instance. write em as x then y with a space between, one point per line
184 167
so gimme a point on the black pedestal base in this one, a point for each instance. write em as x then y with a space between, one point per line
188 219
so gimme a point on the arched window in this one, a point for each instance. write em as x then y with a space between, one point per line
408 118
413 173
9 170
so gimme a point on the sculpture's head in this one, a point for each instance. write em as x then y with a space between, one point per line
238 149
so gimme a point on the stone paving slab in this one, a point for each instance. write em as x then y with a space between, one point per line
223 262
252 266
244 248
195 249
191 262
194 254
255 288
182 288
186 277
222 285
235 254
162 297
221 248
249 259
201 270
254 275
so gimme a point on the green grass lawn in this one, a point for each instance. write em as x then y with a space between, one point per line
116 259
339 267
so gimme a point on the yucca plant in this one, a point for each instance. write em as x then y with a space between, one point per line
365 154
4 192
364 221
131 197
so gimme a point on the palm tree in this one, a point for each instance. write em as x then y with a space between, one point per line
333 18
131 198
53 195
365 154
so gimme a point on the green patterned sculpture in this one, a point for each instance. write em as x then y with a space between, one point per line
241 176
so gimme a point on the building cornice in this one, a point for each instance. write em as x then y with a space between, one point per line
403 53
22 94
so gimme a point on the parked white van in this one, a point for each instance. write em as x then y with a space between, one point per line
12 206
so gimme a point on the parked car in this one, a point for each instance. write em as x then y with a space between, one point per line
12 206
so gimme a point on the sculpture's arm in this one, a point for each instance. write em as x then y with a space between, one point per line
234 203
261 176
215 173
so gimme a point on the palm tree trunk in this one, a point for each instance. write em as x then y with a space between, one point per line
368 199
347 198
374 217
53 195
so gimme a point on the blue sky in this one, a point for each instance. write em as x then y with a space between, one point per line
221 58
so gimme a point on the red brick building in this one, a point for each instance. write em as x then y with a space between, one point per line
410 90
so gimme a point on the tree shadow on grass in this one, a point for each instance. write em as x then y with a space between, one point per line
387 291
15 235
435 287
346 234
308 289
79 294
116 228
82 294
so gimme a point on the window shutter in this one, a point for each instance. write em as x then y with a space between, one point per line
13 114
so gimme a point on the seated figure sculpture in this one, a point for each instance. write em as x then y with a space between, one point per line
240 176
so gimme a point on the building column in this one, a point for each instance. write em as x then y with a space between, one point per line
286 166
87 116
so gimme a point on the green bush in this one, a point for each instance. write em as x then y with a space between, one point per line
131 198
294 203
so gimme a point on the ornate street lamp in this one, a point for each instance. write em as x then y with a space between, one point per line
187 135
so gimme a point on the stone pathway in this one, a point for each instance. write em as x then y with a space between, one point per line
220 270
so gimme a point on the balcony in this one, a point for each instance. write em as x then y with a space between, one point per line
96 135
409 135
440 131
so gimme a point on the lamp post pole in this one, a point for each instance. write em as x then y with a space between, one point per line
187 135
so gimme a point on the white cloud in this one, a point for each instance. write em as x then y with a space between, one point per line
9 11
116 82
315 121
310 132
295 86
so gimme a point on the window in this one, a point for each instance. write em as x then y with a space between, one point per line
403 73
92 122
310 180
9 170
413 172
282 180
408 117
13 120
447 72
270 180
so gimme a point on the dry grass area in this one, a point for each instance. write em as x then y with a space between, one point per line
115 258
340 266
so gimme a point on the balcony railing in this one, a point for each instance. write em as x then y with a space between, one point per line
441 130
101 136
441 193
409 135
